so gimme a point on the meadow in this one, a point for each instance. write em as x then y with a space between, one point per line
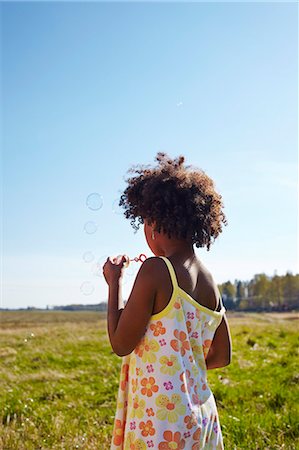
59 381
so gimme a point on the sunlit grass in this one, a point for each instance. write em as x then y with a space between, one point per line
59 380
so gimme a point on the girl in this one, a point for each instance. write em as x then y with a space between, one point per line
173 327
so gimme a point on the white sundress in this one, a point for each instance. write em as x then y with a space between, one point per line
164 400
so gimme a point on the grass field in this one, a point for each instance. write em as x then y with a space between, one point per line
59 380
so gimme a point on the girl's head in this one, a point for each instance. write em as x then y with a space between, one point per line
176 201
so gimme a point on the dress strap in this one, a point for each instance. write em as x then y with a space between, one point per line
171 271
223 309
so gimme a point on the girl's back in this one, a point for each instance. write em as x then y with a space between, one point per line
193 278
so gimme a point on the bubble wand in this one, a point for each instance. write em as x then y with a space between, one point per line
142 257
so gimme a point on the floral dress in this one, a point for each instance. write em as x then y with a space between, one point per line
164 400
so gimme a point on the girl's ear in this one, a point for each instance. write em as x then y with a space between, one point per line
153 225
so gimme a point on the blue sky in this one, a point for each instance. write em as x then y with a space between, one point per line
91 88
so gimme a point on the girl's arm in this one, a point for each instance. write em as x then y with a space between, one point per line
219 354
127 326
113 313
213 362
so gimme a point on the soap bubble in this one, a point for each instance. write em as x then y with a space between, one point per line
90 227
87 288
97 268
94 201
116 208
88 257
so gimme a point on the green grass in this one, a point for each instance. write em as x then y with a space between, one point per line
59 381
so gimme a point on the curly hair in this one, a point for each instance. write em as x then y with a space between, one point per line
180 199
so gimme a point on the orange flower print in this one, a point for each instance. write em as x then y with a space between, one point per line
195 397
206 347
172 440
150 412
157 328
187 380
198 313
189 327
145 350
170 407
190 421
181 343
124 377
149 386
169 364
118 432
147 428
134 444
134 385
196 438
177 305
204 386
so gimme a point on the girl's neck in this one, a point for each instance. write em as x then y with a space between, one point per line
178 250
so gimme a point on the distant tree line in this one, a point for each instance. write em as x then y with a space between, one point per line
262 293
98 307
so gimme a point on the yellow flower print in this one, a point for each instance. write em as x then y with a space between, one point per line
199 358
177 311
169 364
170 407
138 406
132 365
145 350
195 370
133 443
139 372
196 347
119 405
134 385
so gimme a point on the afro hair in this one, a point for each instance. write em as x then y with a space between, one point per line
181 200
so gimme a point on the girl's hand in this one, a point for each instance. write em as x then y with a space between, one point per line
113 268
